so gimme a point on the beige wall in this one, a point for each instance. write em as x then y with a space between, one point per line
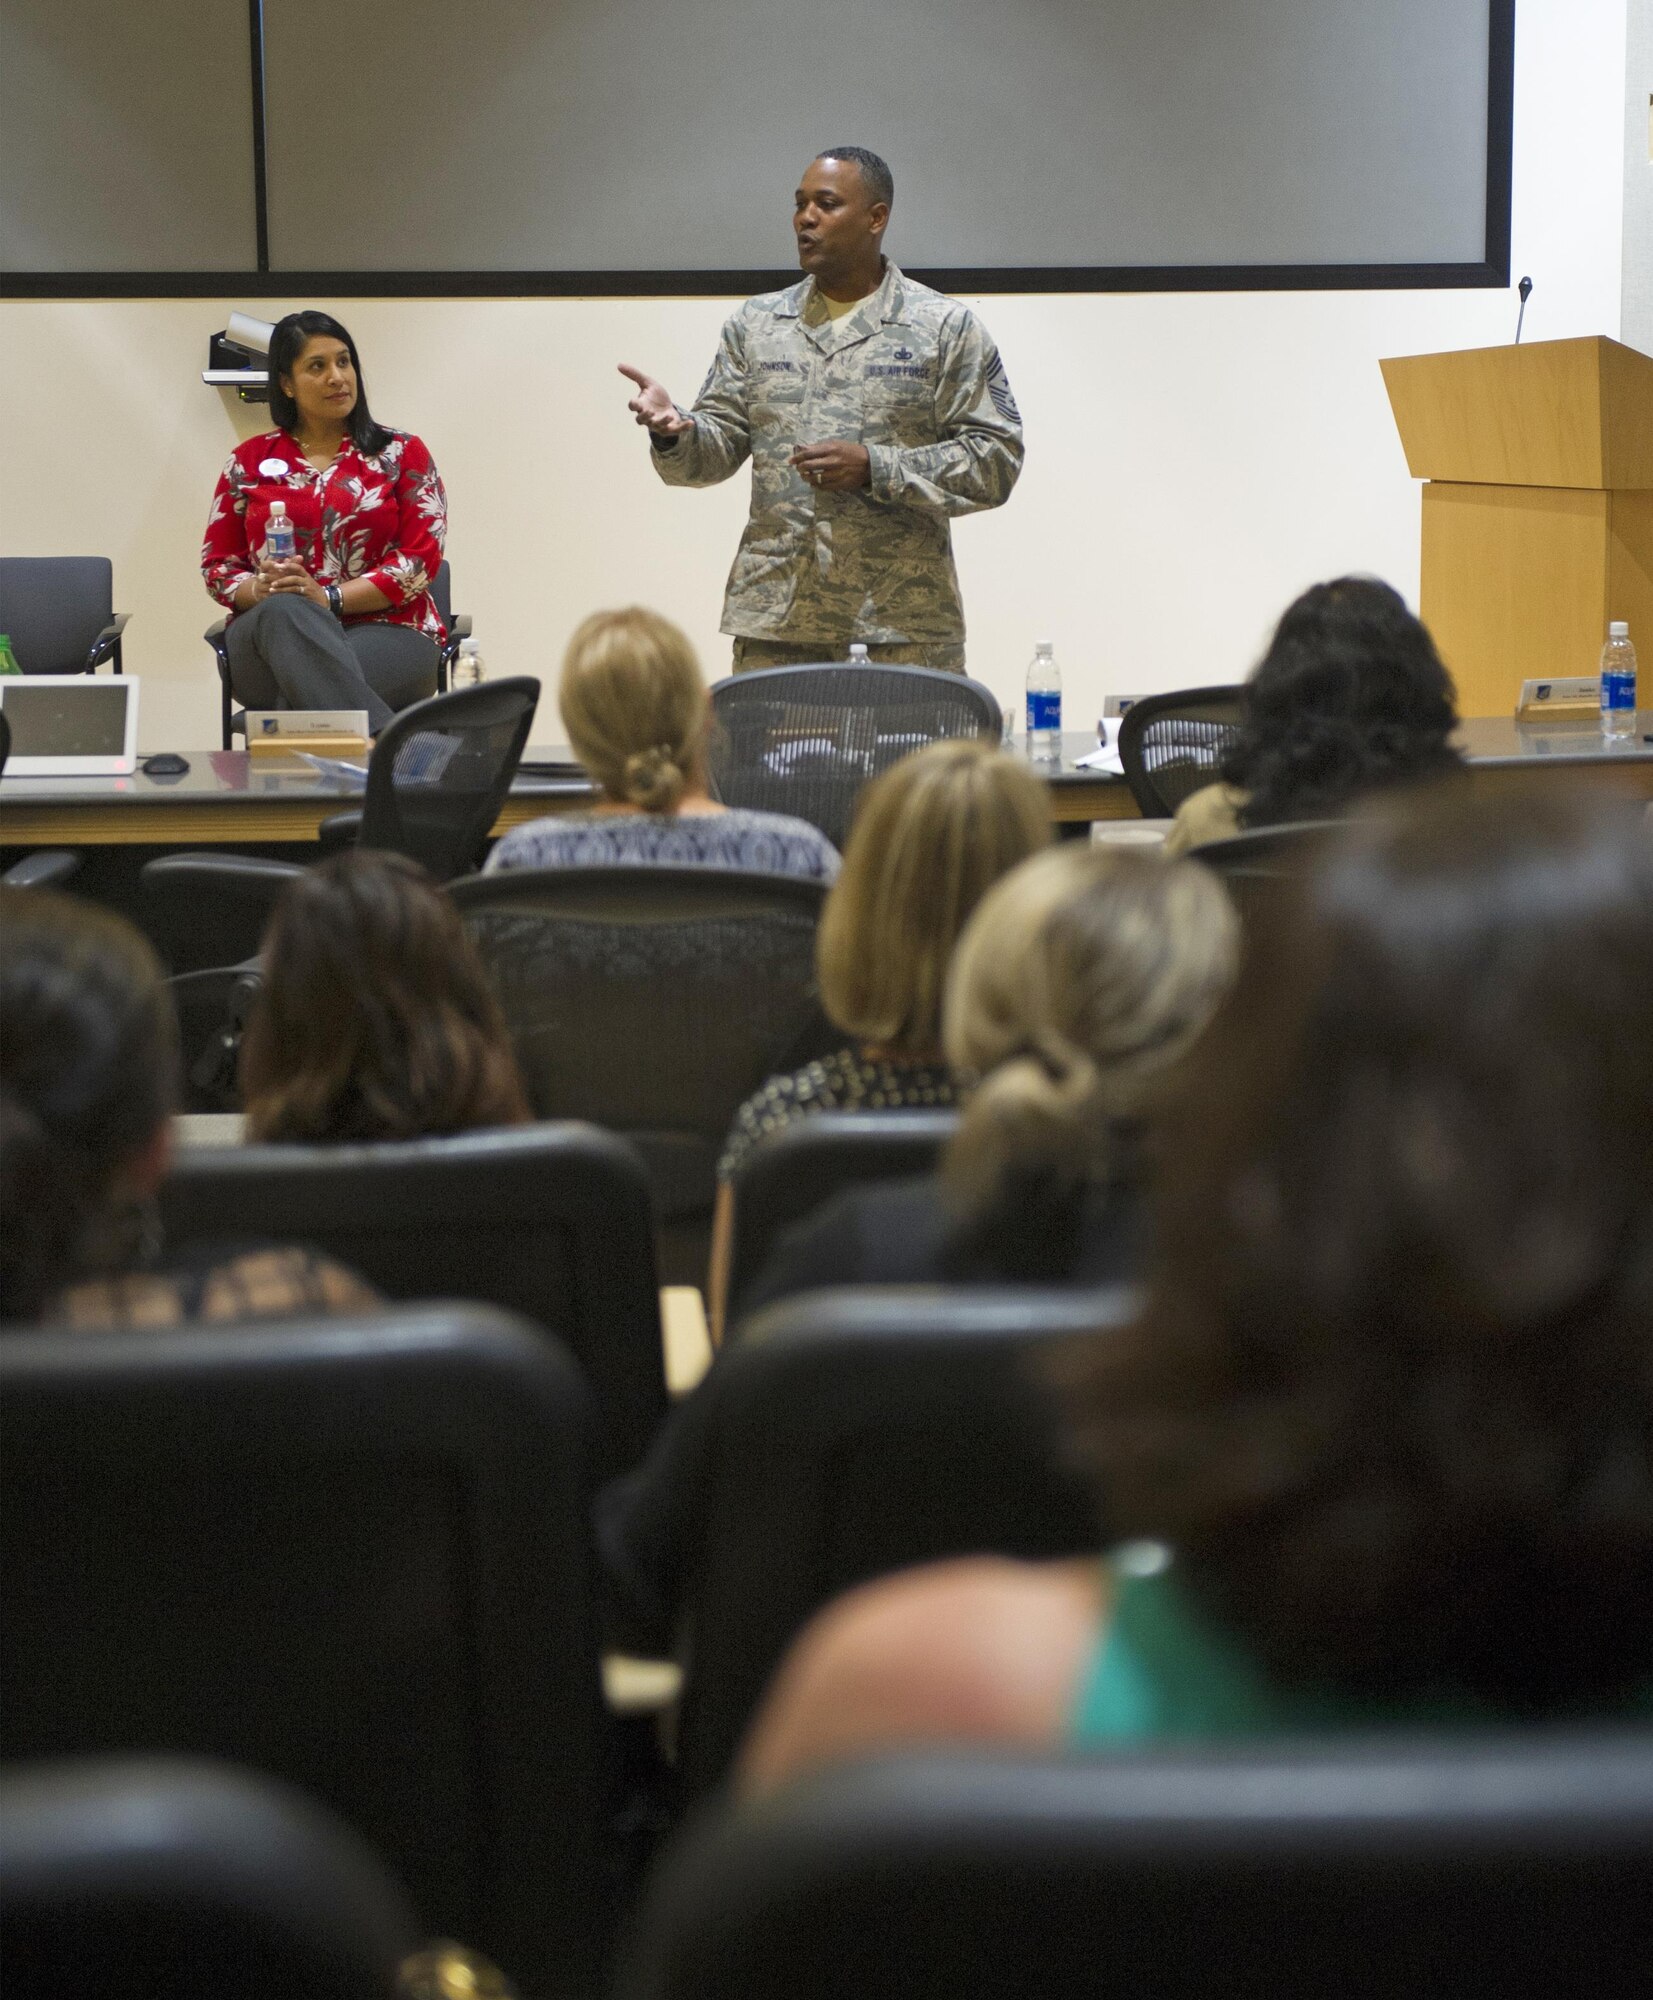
1193 460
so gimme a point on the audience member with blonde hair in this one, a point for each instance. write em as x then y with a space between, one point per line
1079 985
637 714
375 1019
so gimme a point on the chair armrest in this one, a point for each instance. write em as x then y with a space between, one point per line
107 645
460 628
41 870
340 830
216 631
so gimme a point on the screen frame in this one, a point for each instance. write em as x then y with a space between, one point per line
1491 272
20 765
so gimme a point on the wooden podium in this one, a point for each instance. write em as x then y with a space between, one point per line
1538 512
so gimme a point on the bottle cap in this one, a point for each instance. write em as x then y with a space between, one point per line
1619 629
1044 646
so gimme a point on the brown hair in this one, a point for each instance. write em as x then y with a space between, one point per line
1391 1398
931 836
635 707
375 1020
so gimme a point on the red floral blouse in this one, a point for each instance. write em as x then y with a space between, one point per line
383 518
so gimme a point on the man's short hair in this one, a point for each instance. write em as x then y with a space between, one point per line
876 177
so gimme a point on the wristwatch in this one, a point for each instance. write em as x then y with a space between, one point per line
335 599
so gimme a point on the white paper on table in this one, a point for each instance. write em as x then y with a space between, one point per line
336 767
1104 758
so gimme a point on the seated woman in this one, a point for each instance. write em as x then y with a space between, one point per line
1381 1443
637 713
375 1019
1079 985
88 1079
1350 697
349 621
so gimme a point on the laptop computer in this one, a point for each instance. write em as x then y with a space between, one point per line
70 725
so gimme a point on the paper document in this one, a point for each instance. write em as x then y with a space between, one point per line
1104 758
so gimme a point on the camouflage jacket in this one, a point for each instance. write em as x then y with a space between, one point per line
914 377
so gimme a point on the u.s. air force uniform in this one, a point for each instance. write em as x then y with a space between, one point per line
913 376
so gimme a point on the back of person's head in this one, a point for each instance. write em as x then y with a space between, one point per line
88 1080
635 707
1392 1397
1080 984
1350 697
375 1019
931 836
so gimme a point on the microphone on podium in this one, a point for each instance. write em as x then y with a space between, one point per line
1525 290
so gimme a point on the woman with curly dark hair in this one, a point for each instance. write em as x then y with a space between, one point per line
1380 1447
1351 697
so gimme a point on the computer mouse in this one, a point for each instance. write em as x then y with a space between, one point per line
164 764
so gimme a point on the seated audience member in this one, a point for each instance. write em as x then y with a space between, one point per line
88 1079
1079 985
375 1019
1381 1444
638 715
1350 697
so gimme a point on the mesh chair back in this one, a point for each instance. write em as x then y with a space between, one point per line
53 608
1171 745
1462 1869
549 1221
350 1554
804 740
192 1879
652 1000
789 1174
854 1433
440 772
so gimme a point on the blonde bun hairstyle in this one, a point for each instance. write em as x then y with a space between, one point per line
1082 980
635 707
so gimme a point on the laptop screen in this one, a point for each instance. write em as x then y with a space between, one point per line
87 720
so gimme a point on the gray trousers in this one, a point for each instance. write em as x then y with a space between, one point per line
289 653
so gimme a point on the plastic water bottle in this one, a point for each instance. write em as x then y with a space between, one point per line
1618 683
8 659
280 543
858 656
467 669
1044 705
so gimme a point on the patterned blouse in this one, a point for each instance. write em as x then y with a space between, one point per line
381 519
847 1081
765 843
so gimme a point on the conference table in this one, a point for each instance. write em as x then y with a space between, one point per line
229 798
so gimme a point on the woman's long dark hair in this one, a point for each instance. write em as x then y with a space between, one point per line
1350 697
287 344
1391 1398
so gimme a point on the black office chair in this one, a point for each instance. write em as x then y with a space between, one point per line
550 1221
351 1554
1170 745
1467 1868
654 1001
848 1434
790 1173
191 1879
804 740
233 721
1257 865
58 612
436 781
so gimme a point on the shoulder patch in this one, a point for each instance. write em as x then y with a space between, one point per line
998 387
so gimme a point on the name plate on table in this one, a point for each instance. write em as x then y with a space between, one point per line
1577 694
327 732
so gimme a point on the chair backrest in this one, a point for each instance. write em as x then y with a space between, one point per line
1443 1867
789 1173
192 1879
53 607
1256 866
652 1000
441 590
857 1432
5 741
351 1554
549 1221
1171 745
440 771
804 740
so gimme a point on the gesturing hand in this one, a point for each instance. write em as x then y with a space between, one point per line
652 407
833 466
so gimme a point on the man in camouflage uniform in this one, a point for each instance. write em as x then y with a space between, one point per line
873 409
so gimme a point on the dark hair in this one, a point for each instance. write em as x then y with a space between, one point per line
1391 1397
375 1020
1350 696
287 343
88 1075
876 177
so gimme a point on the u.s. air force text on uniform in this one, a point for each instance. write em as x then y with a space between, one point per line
914 377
